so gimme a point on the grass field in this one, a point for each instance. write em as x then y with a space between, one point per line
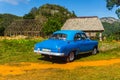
21 50
13 52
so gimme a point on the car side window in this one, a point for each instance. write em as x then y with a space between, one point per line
83 36
77 37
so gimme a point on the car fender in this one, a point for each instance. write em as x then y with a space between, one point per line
70 48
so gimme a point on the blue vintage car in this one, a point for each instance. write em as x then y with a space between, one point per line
67 44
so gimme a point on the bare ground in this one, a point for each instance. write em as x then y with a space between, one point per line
21 68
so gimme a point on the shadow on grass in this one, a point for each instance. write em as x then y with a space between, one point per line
82 55
58 60
61 60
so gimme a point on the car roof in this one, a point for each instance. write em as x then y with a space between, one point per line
70 33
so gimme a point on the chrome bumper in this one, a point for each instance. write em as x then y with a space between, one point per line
49 53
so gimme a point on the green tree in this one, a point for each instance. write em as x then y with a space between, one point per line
52 25
112 30
114 3
29 16
56 16
2 31
34 11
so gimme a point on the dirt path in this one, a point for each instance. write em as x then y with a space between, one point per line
22 67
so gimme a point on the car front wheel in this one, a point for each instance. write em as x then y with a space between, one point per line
70 57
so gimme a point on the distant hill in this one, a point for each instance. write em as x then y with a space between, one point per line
53 16
109 19
49 10
6 19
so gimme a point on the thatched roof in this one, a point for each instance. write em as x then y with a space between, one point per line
24 27
83 23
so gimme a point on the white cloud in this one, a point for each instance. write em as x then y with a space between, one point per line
15 2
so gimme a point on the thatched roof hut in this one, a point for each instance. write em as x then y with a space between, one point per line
90 25
24 27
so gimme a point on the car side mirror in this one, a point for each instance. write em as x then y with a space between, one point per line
77 39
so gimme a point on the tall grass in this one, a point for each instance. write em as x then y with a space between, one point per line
17 50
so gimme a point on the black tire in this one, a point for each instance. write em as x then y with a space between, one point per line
70 57
94 51
46 56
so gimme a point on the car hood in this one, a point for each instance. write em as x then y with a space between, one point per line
51 44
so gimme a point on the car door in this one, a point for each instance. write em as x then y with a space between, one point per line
79 42
85 42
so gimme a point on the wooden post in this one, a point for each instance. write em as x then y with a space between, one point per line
100 36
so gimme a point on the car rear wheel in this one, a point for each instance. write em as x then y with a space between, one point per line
70 57
94 51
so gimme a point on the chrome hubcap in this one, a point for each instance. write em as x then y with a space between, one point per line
71 56
94 51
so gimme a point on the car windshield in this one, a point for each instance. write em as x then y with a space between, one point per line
59 36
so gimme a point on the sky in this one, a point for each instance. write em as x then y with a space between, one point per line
80 7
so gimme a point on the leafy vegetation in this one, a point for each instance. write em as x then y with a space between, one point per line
56 16
114 3
29 16
112 31
52 25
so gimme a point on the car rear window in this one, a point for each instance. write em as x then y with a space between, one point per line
59 36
